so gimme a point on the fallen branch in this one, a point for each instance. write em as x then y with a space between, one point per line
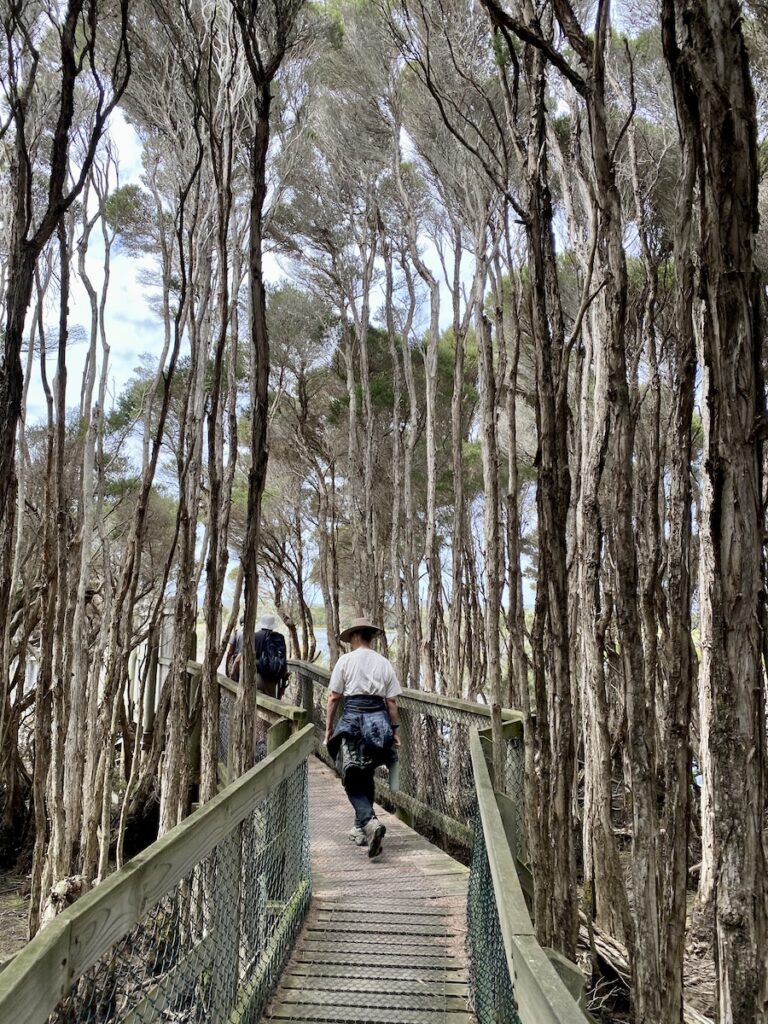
613 955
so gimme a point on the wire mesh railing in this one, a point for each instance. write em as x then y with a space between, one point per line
195 929
512 979
272 717
433 787
491 987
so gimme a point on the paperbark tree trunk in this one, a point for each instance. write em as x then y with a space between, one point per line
30 229
412 559
707 59
429 647
556 920
395 556
455 678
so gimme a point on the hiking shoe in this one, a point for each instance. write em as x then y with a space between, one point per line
374 833
357 835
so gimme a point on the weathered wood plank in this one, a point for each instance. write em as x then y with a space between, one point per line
383 916
396 986
370 925
377 952
428 975
432 906
278 734
315 1013
385 939
433 1000
450 886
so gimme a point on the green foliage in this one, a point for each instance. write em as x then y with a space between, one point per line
472 460
130 213
337 409
562 128
645 46
762 159
665 274
446 361
129 402
501 50
382 394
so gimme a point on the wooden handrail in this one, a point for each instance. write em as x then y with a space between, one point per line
540 994
270 704
323 676
44 971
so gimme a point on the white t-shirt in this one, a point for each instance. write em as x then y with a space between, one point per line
364 673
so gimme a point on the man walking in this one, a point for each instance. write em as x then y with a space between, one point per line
271 657
367 733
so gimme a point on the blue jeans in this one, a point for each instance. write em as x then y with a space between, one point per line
359 788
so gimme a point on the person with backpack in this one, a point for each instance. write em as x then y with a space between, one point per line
232 661
271 657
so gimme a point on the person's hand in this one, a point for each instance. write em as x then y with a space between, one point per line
396 740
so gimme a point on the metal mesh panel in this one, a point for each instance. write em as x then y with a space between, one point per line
212 949
227 704
515 789
226 710
435 768
491 987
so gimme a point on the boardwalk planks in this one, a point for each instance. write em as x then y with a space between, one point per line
385 938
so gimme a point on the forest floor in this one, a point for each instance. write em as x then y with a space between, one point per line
699 974
13 913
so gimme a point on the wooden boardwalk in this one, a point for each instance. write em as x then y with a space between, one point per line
384 939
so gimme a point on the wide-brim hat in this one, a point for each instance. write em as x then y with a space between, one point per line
267 621
358 626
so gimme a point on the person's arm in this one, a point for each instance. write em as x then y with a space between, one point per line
394 718
231 654
330 714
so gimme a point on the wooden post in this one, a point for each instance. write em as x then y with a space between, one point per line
226 917
499 749
278 734
307 696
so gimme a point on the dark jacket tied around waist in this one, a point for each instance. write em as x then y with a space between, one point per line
363 737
